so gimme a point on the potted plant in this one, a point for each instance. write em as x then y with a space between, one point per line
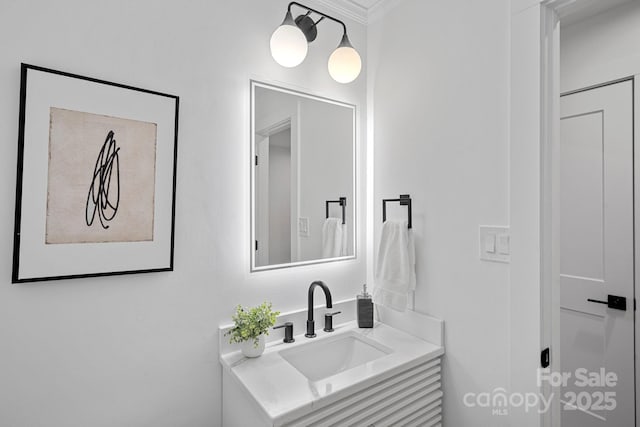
251 326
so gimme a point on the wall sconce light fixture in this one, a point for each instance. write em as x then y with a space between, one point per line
289 44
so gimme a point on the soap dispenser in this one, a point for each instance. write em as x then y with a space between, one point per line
365 309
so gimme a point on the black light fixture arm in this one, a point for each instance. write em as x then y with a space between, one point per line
323 15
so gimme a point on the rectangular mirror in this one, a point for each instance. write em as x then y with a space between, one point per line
302 178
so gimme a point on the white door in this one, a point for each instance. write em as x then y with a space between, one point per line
596 257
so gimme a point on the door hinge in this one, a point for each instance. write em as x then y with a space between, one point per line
256 245
256 160
634 304
544 358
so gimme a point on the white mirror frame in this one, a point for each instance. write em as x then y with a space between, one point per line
252 131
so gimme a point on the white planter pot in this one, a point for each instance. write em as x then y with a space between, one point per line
249 350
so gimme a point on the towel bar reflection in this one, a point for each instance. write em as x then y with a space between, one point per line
405 200
342 202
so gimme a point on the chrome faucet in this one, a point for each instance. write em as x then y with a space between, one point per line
327 294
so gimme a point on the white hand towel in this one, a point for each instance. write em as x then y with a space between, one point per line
334 238
395 274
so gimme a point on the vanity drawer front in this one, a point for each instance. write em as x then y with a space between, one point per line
411 397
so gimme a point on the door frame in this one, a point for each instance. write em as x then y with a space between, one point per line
534 132
261 199
550 197
264 128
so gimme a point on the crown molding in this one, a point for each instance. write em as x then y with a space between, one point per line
358 13
346 8
382 7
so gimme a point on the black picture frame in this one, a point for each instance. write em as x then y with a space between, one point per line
35 258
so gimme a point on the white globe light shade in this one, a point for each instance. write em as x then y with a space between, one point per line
345 64
288 45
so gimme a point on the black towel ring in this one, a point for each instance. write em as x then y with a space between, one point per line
342 202
405 200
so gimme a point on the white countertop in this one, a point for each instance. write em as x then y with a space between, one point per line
284 393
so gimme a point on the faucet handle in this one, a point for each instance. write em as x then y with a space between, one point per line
288 332
328 321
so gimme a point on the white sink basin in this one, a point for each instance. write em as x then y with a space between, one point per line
321 359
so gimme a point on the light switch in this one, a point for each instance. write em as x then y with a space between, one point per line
504 244
490 243
494 243
303 227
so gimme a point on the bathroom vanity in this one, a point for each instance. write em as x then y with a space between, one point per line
381 376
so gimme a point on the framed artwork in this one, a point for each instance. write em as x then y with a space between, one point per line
96 178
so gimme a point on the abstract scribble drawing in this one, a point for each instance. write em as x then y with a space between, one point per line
104 191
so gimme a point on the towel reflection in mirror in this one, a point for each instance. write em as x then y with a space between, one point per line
334 238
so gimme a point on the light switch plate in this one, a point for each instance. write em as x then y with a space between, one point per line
504 244
489 242
495 243
303 227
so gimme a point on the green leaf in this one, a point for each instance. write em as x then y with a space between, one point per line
251 323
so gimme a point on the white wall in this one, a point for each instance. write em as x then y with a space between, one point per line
600 49
326 162
439 78
273 107
141 350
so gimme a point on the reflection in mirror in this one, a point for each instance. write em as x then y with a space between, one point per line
303 182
